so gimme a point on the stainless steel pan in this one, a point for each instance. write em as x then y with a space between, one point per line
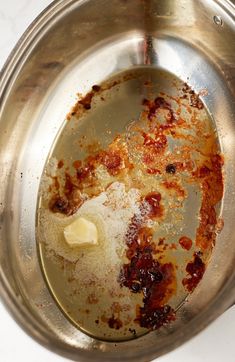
70 47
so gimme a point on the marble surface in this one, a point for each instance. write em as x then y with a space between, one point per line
215 344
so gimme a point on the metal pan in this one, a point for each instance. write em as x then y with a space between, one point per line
72 46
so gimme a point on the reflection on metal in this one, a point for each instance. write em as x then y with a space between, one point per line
218 20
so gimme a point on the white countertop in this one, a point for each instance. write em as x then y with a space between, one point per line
215 344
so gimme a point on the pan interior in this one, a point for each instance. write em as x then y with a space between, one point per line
120 118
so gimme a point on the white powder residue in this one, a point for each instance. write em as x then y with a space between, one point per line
111 212
52 167
119 199
49 173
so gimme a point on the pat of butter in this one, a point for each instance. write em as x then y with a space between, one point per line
81 232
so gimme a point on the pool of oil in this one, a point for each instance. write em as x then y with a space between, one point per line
85 281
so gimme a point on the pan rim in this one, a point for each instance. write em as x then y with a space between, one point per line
224 299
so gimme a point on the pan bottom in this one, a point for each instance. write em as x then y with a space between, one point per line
139 157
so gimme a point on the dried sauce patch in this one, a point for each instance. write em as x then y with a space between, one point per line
195 269
159 104
211 178
114 323
144 273
84 103
194 98
173 185
185 242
